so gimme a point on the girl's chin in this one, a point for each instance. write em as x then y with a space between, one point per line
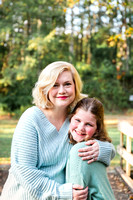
80 140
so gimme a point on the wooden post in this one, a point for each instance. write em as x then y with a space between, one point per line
121 145
125 153
128 148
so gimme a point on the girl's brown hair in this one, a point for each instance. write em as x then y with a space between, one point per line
96 108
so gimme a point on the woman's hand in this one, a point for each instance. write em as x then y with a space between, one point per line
79 193
90 152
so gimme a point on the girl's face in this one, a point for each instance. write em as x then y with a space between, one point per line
83 125
62 94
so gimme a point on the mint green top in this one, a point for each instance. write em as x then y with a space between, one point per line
93 175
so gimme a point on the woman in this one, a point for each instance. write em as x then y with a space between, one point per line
40 143
87 123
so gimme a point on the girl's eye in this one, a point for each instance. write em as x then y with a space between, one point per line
77 120
88 124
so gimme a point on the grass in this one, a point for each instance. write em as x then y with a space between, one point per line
7 127
115 136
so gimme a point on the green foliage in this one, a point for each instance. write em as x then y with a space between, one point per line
102 53
102 83
28 42
18 112
35 33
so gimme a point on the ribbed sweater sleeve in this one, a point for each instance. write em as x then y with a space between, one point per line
106 152
36 157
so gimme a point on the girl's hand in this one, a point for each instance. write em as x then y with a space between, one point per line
79 193
91 152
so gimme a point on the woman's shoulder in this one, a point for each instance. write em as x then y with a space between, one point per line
32 114
32 111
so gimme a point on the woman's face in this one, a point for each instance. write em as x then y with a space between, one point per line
83 125
62 94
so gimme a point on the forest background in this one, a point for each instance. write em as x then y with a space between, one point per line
95 35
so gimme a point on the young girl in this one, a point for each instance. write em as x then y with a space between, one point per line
87 122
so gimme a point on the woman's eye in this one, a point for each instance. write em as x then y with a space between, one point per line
55 85
67 84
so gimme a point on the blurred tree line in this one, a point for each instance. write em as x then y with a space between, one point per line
95 35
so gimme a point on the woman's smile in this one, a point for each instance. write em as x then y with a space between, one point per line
62 97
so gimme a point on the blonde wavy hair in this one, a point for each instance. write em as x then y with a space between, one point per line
47 79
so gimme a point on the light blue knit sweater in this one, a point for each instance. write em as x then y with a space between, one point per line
38 158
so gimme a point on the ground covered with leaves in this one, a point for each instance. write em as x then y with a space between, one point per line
120 189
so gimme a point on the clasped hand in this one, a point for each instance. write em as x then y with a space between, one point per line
90 152
79 193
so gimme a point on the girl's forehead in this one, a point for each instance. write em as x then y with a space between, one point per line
82 111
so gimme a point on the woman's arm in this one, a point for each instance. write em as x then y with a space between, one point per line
97 150
106 152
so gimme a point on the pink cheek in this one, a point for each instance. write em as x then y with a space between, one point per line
90 134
